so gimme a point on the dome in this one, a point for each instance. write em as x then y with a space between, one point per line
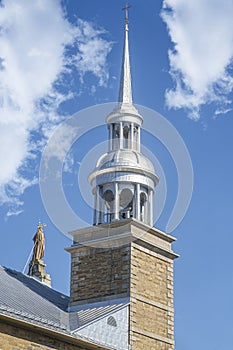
124 158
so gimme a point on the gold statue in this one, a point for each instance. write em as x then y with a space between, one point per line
39 244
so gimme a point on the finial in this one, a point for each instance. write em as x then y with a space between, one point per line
126 9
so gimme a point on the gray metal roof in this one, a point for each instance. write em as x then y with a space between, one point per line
24 298
28 299
92 313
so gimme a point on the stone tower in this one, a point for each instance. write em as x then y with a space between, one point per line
122 262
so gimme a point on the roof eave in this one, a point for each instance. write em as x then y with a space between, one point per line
50 332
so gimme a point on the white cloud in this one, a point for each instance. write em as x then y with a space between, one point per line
39 48
93 51
13 212
222 111
69 163
61 142
200 62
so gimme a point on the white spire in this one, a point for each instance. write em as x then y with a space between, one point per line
125 92
125 107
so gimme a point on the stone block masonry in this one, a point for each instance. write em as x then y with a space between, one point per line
140 269
151 307
20 338
97 274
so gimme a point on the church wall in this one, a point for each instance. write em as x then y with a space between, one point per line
142 271
99 274
151 310
141 342
17 338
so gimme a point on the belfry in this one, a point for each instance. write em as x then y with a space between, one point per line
124 179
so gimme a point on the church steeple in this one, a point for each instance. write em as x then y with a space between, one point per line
125 92
124 179
122 264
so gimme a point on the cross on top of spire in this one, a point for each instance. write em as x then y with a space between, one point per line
126 8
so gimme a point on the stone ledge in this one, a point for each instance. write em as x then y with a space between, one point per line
153 253
152 335
122 233
151 302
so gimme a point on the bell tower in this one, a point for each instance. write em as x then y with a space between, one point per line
122 267
124 179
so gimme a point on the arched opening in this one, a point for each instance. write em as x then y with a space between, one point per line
116 136
143 206
108 197
126 136
126 204
135 146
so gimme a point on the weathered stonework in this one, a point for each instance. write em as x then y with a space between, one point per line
151 311
132 261
37 269
20 338
99 273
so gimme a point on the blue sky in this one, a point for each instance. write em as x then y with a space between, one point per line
57 59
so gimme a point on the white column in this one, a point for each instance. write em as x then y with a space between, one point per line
110 138
132 135
139 140
116 201
121 135
134 203
102 211
138 201
147 211
95 209
97 213
151 207
100 207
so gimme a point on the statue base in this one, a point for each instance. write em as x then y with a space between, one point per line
37 270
